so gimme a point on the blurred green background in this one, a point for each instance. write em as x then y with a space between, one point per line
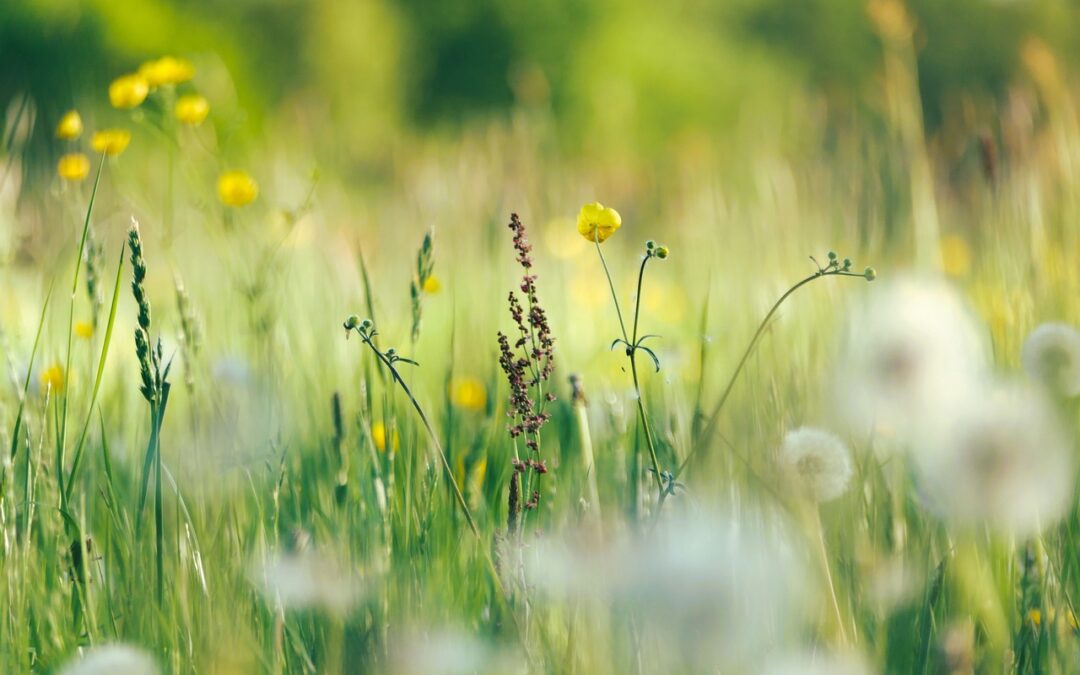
624 82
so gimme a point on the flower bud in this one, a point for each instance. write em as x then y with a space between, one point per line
352 322
870 273
650 244
662 252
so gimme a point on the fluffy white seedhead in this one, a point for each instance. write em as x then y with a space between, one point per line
1001 460
714 592
911 350
308 580
817 462
115 659
1051 356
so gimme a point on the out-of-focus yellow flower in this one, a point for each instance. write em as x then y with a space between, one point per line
73 166
166 70
1034 617
84 329
192 109
597 223
128 91
378 437
432 285
955 256
110 141
1041 63
891 19
52 378
480 471
237 188
70 126
468 393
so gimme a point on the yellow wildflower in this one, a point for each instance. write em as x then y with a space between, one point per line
378 437
84 329
597 223
192 109
70 126
432 285
52 378
166 70
73 166
128 91
1035 617
110 141
468 393
955 256
237 188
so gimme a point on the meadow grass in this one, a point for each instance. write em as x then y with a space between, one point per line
322 504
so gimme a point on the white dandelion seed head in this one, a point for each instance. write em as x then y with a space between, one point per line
910 350
816 461
1051 356
718 592
308 580
1002 460
114 659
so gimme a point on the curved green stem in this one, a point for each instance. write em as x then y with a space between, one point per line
710 425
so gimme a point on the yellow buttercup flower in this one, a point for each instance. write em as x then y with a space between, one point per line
955 256
192 109
432 285
128 91
70 126
110 141
597 223
52 378
166 70
468 393
378 437
73 166
237 188
84 329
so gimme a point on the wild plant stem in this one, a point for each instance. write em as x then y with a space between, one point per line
710 425
71 323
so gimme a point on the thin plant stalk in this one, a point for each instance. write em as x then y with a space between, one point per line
631 352
714 415
62 441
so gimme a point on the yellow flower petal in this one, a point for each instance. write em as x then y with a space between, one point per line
84 329
237 188
52 378
468 393
432 285
110 141
73 166
192 109
166 70
378 437
70 126
128 91
597 223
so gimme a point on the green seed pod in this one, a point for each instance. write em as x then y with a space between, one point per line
870 273
352 322
650 244
662 252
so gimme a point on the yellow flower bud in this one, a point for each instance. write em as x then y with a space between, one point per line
70 126
128 91
192 109
110 141
73 166
237 188
468 393
166 70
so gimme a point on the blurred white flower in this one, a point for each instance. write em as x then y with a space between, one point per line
715 592
817 462
910 351
814 663
1051 355
308 580
115 659
450 651
1002 459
